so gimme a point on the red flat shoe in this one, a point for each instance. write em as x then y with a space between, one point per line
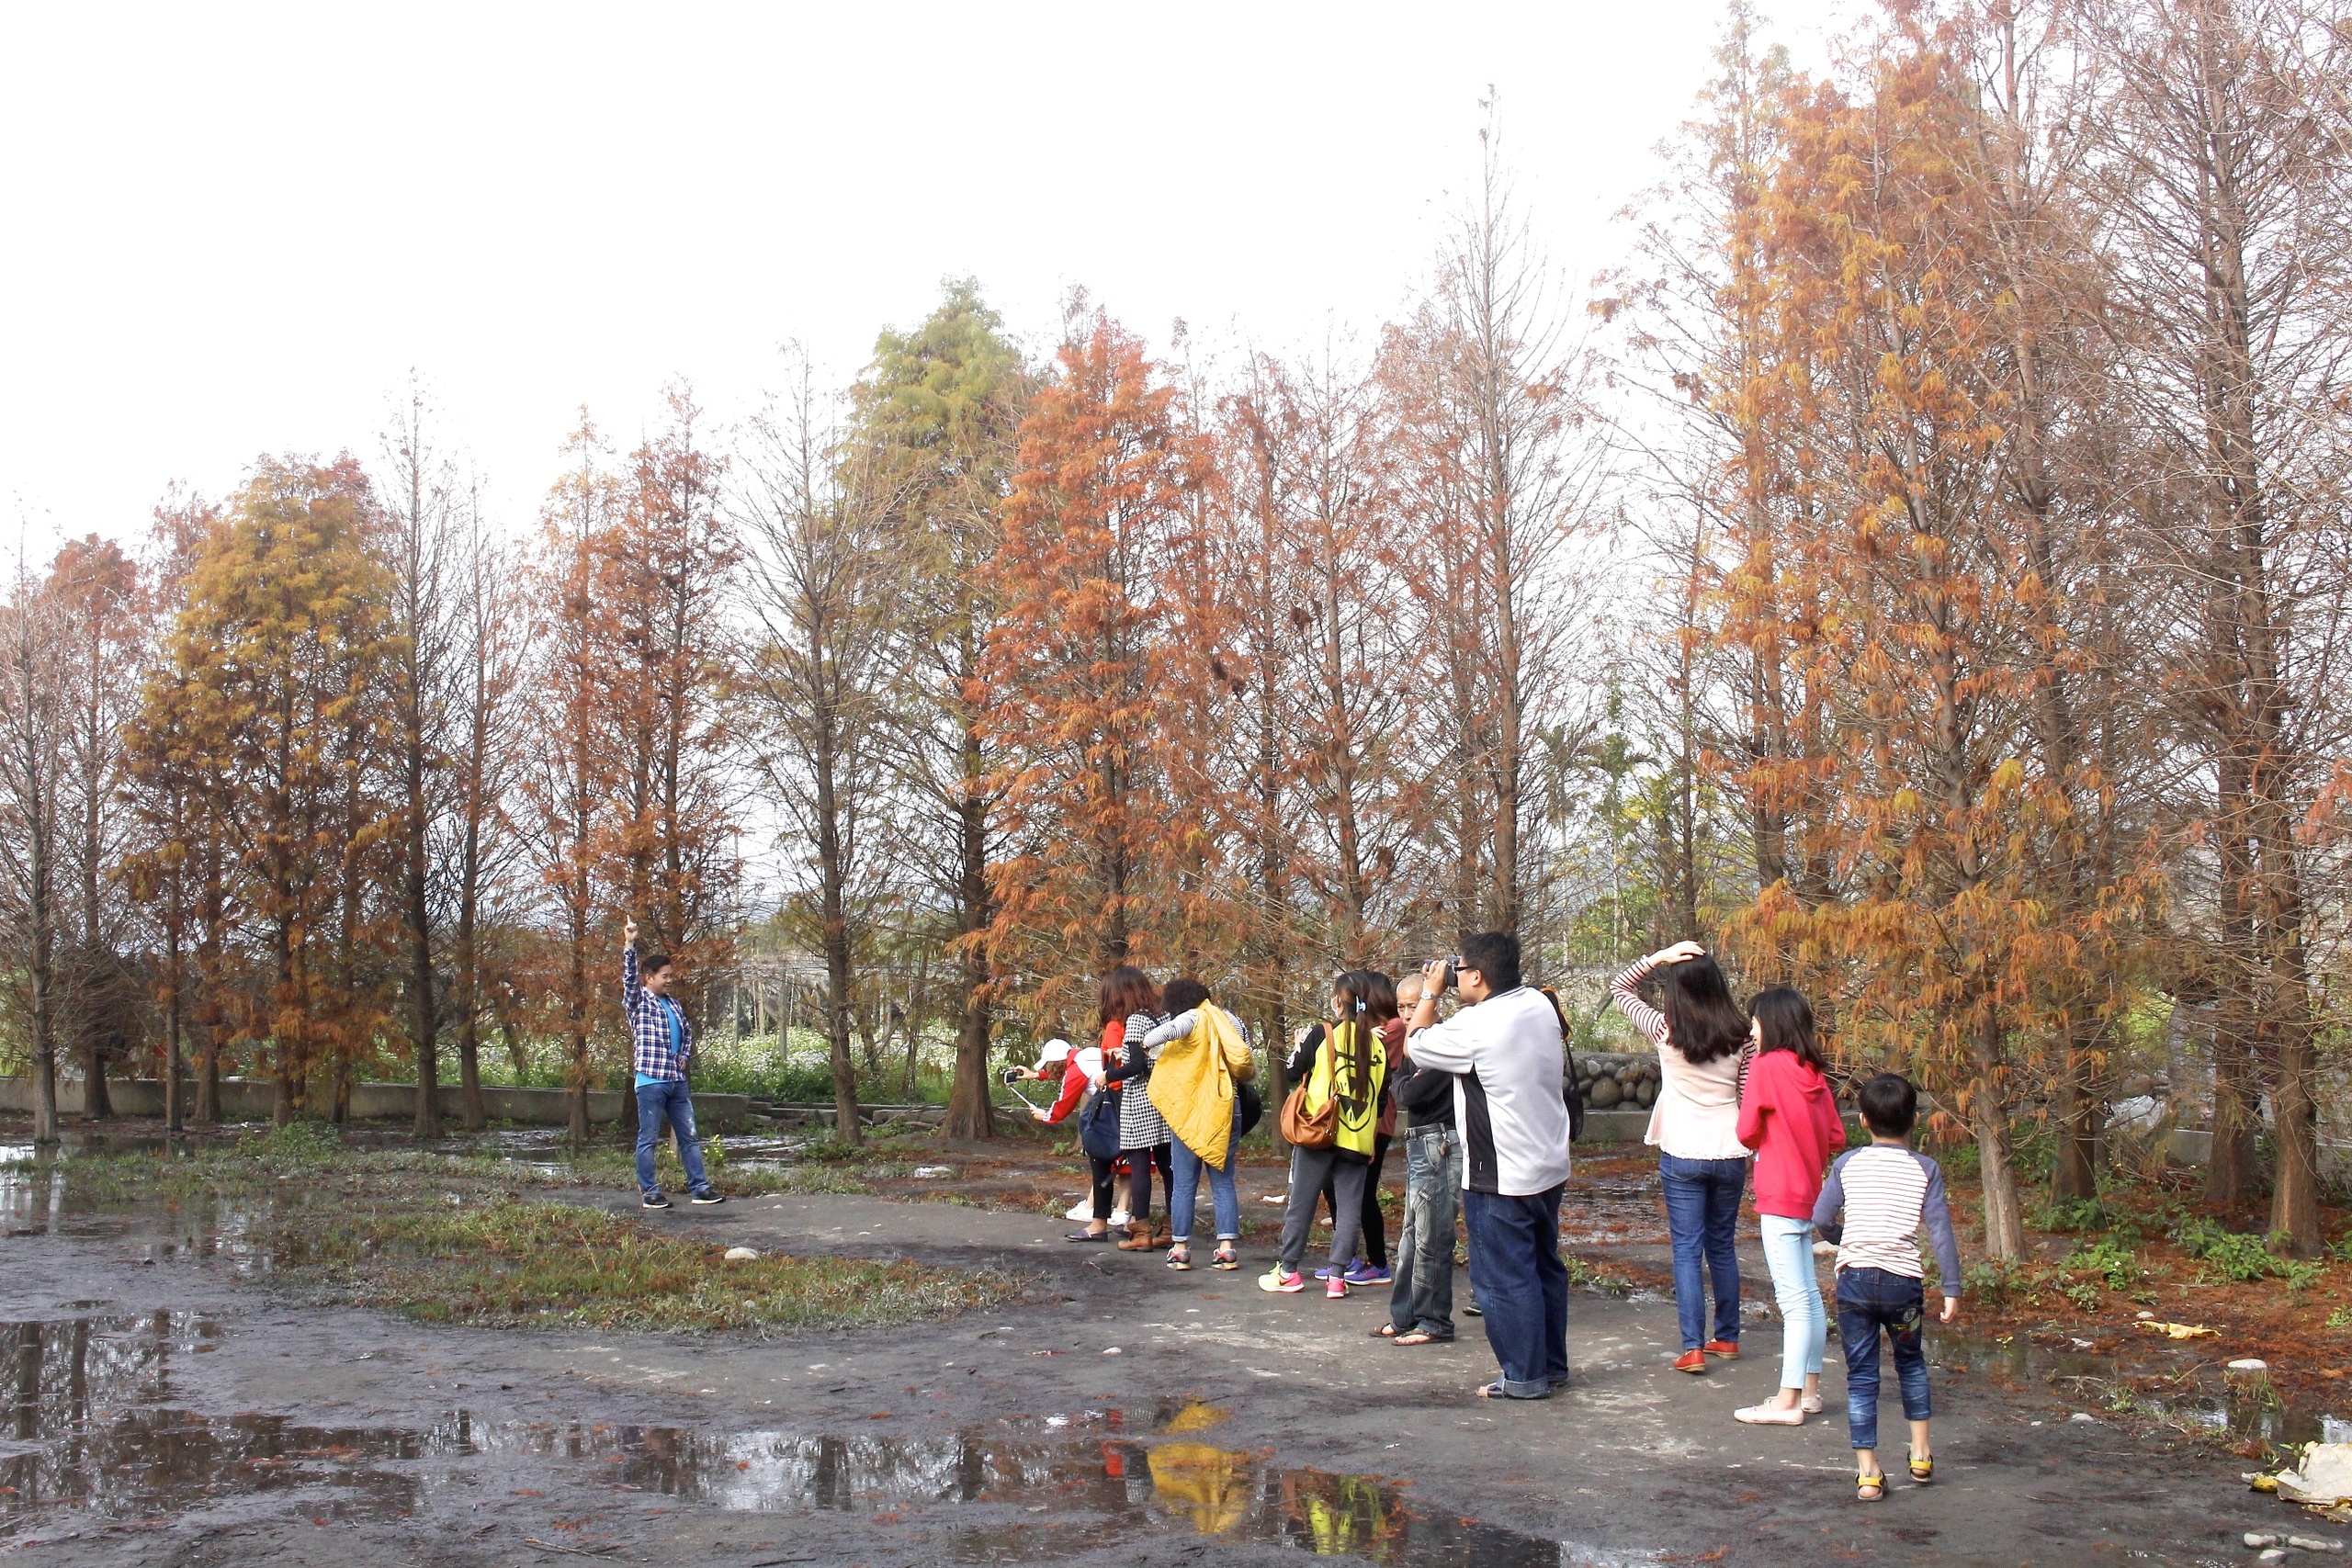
1727 1349
1691 1361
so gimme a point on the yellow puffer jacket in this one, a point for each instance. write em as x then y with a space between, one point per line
1192 1083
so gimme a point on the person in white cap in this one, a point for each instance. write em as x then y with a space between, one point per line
1078 1071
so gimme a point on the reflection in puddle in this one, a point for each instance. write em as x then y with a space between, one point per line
95 1424
2245 1408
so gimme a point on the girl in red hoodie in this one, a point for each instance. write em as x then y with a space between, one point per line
1789 1116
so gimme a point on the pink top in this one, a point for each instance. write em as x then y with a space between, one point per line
1789 1116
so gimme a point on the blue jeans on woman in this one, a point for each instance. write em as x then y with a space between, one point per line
1184 1187
1870 1300
1421 1298
1701 1214
1804 1325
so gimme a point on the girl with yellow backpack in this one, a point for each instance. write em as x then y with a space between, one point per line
1331 1121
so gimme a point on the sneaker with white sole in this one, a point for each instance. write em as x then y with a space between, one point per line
1287 1284
1120 1219
1770 1414
1336 1290
1081 1209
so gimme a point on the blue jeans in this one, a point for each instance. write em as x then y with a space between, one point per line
1184 1187
1804 1325
1421 1300
1702 1212
673 1100
1870 1300
1515 1258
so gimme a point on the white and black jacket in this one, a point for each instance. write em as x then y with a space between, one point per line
1514 1123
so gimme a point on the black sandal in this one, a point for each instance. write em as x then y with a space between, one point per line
1087 1236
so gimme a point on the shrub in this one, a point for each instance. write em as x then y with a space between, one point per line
2109 1259
2232 1255
2070 1214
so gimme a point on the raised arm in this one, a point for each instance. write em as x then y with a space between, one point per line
1626 991
631 989
1176 1028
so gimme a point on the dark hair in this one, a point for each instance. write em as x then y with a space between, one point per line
1785 1019
1127 990
1889 1105
653 963
1494 955
1379 996
1701 1020
1183 995
1354 986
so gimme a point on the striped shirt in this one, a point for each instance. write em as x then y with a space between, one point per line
1888 1192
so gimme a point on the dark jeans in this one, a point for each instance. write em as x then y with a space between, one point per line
1522 1284
1309 1169
1870 1300
1421 1300
674 1101
1701 1213
1373 1244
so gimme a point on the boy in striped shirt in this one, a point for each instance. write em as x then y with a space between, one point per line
1888 1191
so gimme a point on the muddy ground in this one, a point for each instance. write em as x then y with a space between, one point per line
169 1407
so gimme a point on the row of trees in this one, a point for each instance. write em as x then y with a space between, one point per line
1923 567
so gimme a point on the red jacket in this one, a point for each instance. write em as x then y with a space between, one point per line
1790 1117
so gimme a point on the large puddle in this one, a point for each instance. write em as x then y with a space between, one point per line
98 1425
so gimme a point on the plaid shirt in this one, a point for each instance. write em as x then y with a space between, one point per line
649 1026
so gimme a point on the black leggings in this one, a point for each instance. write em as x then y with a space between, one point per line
1139 1164
1103 1199
1375 1242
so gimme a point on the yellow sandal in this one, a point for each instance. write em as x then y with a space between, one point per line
1870 1485
1923 1471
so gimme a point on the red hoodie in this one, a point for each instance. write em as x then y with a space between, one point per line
1790 1117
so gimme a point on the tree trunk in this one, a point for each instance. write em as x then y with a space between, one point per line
2074 1119
425 1018
971 1111
2004 1220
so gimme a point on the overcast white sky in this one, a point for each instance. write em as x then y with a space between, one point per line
233 229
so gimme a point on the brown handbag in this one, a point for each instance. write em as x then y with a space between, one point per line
1316 1132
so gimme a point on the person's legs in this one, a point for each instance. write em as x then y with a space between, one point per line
1182 1192
1906 1332
1403 1290
1857 1328
1100 1169
1373 1224
1138 1184
1503 1263
1725 1184
1436 1266
1346 1184
682 1121
1308 1168
1552 1276
1686 1226
1224 1197
1788 1255
649 1133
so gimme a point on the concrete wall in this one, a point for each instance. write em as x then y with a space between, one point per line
243 1100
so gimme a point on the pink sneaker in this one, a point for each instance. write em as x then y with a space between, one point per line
1287 1284
1336 1290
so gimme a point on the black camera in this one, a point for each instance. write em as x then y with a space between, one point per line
1012 1075
1453 967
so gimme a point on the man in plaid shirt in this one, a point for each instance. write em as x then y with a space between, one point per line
661 1040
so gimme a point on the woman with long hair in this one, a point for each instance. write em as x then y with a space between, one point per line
1143 1131
1371 1266
1342 1072
1700 1036
1789 1116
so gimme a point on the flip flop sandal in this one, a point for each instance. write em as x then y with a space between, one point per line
1923 1471
1385 1331
1415 1338
1868 1486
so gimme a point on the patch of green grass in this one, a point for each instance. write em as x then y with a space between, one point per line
2340 1318
1586 1275
2231 1255
2109 1259
509 1264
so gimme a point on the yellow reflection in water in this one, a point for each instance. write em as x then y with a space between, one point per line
1209 1486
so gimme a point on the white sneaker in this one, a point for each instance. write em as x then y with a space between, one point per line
1120 1219
1771 1415
1081 1209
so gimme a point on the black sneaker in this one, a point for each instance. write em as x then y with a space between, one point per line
706 1196
655 1201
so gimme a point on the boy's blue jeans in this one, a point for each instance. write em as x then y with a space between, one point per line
1870 1300
1421 1298
1701 1214
1184 1187
670 1099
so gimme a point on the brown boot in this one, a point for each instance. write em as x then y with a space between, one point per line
1138 1236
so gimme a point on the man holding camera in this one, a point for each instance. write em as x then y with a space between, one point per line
1505 1046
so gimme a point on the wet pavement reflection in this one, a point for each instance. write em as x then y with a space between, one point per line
96 1424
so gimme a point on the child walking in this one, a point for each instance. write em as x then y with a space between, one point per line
1888 1192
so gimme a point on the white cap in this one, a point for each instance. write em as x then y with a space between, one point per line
1056 1050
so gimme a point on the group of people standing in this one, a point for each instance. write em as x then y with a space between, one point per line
1739 1084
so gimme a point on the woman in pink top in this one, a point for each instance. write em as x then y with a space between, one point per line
1789 1116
